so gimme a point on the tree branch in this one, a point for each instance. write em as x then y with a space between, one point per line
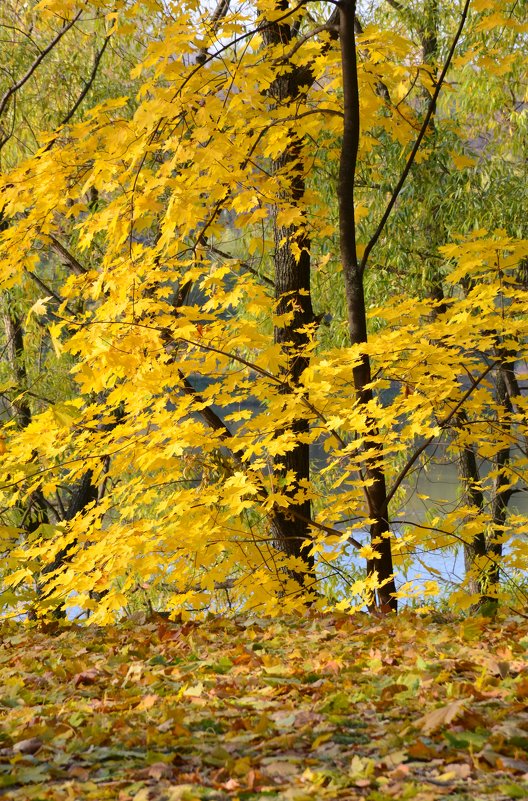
218 14
45 288
243 264
418 142
19 84
331 28
69 259
89 83
442 424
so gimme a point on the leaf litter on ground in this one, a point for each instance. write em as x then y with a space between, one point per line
308 707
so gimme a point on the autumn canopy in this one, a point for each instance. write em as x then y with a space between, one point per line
264 276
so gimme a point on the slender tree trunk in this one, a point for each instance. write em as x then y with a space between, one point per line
293 294
472 495
505 378
356 309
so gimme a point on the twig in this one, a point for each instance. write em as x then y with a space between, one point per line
416 147
19 84
89 83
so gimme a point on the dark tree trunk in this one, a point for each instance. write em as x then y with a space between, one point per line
504 378
469 477
293 293
356 310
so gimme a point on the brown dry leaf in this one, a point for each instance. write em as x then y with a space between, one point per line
456 771
400 772
160 770
78 772
442 716
332 666
28 747
421 751
521 689
86 677
147 702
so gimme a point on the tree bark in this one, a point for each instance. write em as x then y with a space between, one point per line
356 310
293 293
504 379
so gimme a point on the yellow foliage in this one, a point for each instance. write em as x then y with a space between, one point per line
184 403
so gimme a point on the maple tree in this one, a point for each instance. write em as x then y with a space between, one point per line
40 50
185 232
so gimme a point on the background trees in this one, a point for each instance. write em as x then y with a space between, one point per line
187 228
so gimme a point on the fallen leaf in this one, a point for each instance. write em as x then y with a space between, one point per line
160 770
28 747
147 702
90 676
514 765
458 771
442 716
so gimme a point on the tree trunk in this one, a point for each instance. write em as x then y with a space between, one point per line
472 495
356 310
293 293
505 378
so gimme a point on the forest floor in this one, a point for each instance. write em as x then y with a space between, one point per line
305 708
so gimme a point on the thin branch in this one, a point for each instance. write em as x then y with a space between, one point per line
211 349
45 288
89 83
299 43
259 29
69 259
418 142
23 33
19 84
292 118
207 412
243 264
326 529
218 14
442 424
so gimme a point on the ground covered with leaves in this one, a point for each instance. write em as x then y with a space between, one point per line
313 707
